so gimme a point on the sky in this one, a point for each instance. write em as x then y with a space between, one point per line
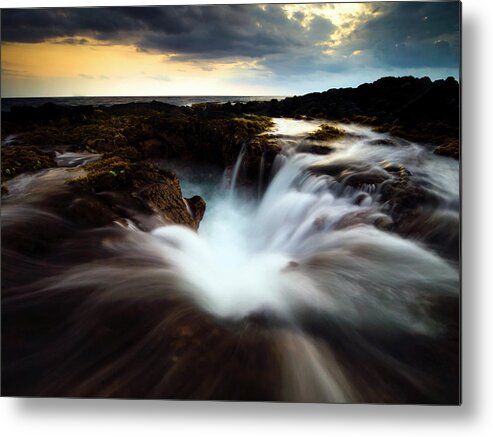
270 49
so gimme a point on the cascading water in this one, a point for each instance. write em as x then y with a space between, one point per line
290 255
253 256
302 295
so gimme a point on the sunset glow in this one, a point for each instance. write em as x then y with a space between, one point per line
242 50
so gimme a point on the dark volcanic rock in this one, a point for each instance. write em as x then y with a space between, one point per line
361 178
316 149
381 142
197 206
450 149
437 228
165 199
114 186
395 168
416 109
351 174
404 197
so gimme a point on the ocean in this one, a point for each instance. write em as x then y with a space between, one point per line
8 103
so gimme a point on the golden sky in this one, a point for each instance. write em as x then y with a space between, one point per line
94 69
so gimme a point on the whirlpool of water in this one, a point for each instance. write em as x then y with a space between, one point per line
308 292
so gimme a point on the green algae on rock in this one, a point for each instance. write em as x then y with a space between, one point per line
327 132
20 159
139 185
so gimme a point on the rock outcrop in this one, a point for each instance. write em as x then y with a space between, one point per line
417 109
115 185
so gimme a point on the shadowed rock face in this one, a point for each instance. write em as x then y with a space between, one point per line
116 184
197 207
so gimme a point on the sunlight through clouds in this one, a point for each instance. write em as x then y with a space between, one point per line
224 49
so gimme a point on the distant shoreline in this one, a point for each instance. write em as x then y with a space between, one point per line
9 102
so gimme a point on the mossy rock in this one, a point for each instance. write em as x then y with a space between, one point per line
100 136
165 198
326 132
124 152
450 149
254 123
106 174
117 174
48 135
20 159
140 186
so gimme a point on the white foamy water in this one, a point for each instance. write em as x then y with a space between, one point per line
291 250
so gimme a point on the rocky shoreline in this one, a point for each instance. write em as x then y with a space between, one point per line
129 138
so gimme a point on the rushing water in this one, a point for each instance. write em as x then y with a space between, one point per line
297 295
253 256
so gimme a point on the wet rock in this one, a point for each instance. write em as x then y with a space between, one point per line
359 218
334 168
403 196
125 152
91 212
151 147
326 132
21 159
166 200
315 149
106 174
384 223
440 229
113 188
361 198
101 137
450 149
395 168
197 206
381 142
260 154
362 178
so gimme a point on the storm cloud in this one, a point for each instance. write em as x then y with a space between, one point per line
394 34
412 34
203 31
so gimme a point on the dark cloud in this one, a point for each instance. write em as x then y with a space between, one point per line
74 41
37 25
204 31
403 35
412 34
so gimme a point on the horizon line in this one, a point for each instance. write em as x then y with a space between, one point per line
151 95
458 79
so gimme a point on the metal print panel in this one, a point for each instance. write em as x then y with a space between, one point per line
232 202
